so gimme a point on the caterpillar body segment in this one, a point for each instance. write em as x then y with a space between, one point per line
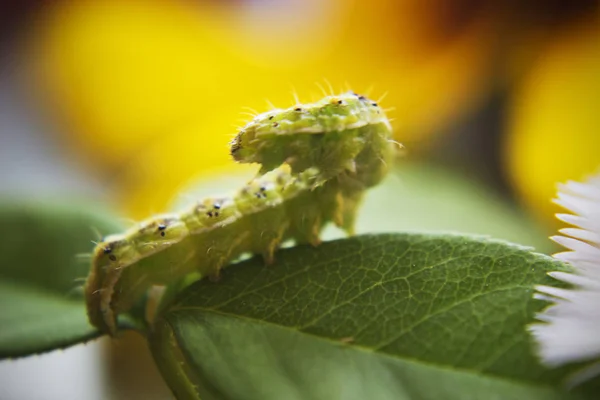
329 135
317 161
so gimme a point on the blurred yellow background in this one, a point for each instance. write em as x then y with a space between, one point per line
149 93
554 123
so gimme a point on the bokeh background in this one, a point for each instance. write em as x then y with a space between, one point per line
122 103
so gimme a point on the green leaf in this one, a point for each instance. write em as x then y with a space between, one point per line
393 316
41 275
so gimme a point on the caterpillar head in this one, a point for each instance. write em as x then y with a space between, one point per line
157 232
305 135
114 250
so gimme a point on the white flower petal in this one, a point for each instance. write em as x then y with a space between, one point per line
581 222
570 331
582 234
575 204
573 257
588 190
584 282
569 278
560 293
586 268
578 246
540 296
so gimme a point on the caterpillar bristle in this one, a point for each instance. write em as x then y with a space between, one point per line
396 143
83 257
269 104
76 291
248 114
329 86
252 110
322 89
97 234
382 97
128 221
296 98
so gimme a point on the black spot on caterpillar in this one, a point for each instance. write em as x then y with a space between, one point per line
315 167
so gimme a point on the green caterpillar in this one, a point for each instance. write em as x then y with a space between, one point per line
317 160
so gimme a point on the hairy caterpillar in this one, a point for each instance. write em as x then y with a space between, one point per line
317 160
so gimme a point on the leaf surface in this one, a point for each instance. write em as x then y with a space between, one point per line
391 316
42 273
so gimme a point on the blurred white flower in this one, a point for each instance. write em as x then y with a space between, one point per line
571 328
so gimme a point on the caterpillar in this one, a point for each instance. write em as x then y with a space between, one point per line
316 160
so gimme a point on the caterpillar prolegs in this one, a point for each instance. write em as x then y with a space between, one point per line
317 161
